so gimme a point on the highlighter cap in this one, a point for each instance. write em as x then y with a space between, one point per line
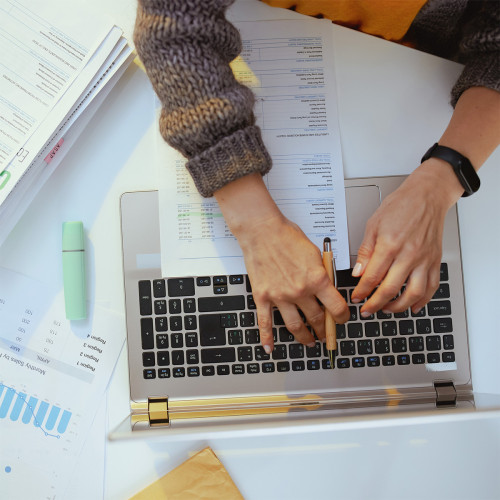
73 238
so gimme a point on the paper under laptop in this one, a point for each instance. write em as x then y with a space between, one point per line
280 402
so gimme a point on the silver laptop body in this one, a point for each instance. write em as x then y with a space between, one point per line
191 377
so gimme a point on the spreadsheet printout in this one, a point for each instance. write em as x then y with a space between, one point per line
289 66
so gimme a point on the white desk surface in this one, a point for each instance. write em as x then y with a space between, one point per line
392 107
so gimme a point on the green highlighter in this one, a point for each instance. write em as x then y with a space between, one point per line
73 258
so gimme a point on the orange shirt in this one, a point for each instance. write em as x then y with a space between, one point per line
389 19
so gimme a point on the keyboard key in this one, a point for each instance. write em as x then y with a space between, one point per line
372 329
448 342
403 314
406 327
159 288
245 353
220 289
347 348
252 336
277 318
354 330
226 303
419 314
161 324
283 366
285 335
250 302
175 323
280 352
353 310
164 373
346 279
149 373
298 366
433 357
192 357
416 344
162 341
382 346
343 363
358 362
399 344
373 361
248 284
253 368
203 281
218 355
193 371
442 325
389 328
235 337
439 308
211 331
315 351
180 287
176 340
236 279
174 306
160 307
222 369
424 326
433 343
313 364
238 369
148 358
443 292
191 339
260 354
179 372
268 367
208 371
145 301
178 357
163 358
296 351
190 322
365 347
403 359
388 360
325 364
228 320
448 357
340 331
189 305
247 319
418 359
220 280
147 336
444 272
383 315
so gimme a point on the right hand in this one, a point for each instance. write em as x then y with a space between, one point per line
285 268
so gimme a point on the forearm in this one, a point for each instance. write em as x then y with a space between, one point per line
206 114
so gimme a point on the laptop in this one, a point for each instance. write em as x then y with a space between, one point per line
196 365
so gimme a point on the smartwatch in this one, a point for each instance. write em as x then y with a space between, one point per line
461 166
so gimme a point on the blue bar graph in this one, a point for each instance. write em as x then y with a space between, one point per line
18 406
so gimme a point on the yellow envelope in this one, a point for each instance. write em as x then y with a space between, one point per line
202 477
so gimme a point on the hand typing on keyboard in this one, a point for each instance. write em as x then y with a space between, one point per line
284 266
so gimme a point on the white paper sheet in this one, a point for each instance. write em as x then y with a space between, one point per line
289 65
53 375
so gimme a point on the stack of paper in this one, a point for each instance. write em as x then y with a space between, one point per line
56 67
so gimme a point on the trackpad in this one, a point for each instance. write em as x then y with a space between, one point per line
361 202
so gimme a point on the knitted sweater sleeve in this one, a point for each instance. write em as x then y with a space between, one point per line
186 47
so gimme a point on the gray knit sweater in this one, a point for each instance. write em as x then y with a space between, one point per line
186 47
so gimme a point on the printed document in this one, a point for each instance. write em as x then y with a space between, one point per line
289 66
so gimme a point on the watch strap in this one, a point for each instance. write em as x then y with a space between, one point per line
461 166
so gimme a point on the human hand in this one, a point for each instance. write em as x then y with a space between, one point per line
284 266
403 242
286 271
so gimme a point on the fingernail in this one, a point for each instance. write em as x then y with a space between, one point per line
385 311
311 344
416 311
355 301
268 349
357 269
366 314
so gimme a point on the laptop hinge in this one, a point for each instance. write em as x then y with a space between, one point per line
446 394
158 411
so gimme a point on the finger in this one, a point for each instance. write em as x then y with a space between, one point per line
365 251
414 291
432 285
295 325
265 324
315 316
334 302
375 272
387 290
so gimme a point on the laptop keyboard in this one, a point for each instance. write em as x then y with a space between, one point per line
207 326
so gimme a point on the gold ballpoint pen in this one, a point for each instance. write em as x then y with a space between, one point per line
330 326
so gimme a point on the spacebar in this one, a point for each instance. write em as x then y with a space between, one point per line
218 355
222 303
